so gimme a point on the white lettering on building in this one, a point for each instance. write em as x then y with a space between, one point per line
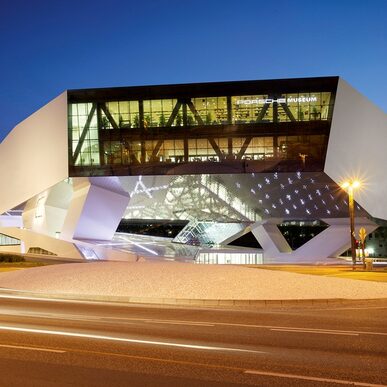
261 101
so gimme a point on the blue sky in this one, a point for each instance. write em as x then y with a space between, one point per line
50 46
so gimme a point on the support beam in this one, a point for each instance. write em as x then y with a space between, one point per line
275 112
229 146
195 113
143 152
109 116
216 148
100 142
141 113
287 111
174 114
275 146
70 131
156 149
263 112
229 110
185 118
245 145
186 150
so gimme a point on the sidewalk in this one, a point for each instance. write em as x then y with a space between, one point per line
192 284
220 303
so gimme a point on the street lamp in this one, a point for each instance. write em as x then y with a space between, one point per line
350 186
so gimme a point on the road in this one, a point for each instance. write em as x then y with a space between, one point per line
69 343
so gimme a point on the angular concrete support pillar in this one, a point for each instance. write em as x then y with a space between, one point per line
96 208
333 241
45 213
234 237
330 243
270 238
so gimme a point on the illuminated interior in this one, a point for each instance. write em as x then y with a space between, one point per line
230 132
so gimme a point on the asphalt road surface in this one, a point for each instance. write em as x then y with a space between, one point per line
69 343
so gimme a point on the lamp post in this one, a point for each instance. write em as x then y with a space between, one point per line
350 186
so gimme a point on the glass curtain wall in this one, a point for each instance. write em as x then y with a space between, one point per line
124 113
212 111
157 113
122 132
83 127
290 107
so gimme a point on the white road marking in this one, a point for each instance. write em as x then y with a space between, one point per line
101 318
271 327
175 322
312 378
190 322
297 328
354 308
51 316
323 332
127 340
32 348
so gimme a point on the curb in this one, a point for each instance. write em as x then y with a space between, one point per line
196 302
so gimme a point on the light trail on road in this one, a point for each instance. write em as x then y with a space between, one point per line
93 341
126 340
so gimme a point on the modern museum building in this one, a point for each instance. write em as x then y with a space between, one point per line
244 168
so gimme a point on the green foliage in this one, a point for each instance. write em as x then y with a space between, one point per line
105 123
162 121
190 120
8 257
208 119
179 120
136 121
147 121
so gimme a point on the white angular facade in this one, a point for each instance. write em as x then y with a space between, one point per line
238 157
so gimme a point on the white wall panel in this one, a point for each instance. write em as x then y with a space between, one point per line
11 221
358 148
45 213
33 157
96 208
31 239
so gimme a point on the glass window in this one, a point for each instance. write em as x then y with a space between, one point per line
260 148
296 106
170 151
248 109
124 113
212 110
86 153
157 113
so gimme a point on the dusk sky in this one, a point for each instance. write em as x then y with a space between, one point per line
50 46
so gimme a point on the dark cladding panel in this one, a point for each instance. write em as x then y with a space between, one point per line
192 90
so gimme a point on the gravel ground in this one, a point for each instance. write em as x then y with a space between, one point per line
182 280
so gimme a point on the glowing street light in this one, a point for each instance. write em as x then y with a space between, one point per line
349 186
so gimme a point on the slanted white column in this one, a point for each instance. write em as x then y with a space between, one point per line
270 238
330 243
333 241
96 208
